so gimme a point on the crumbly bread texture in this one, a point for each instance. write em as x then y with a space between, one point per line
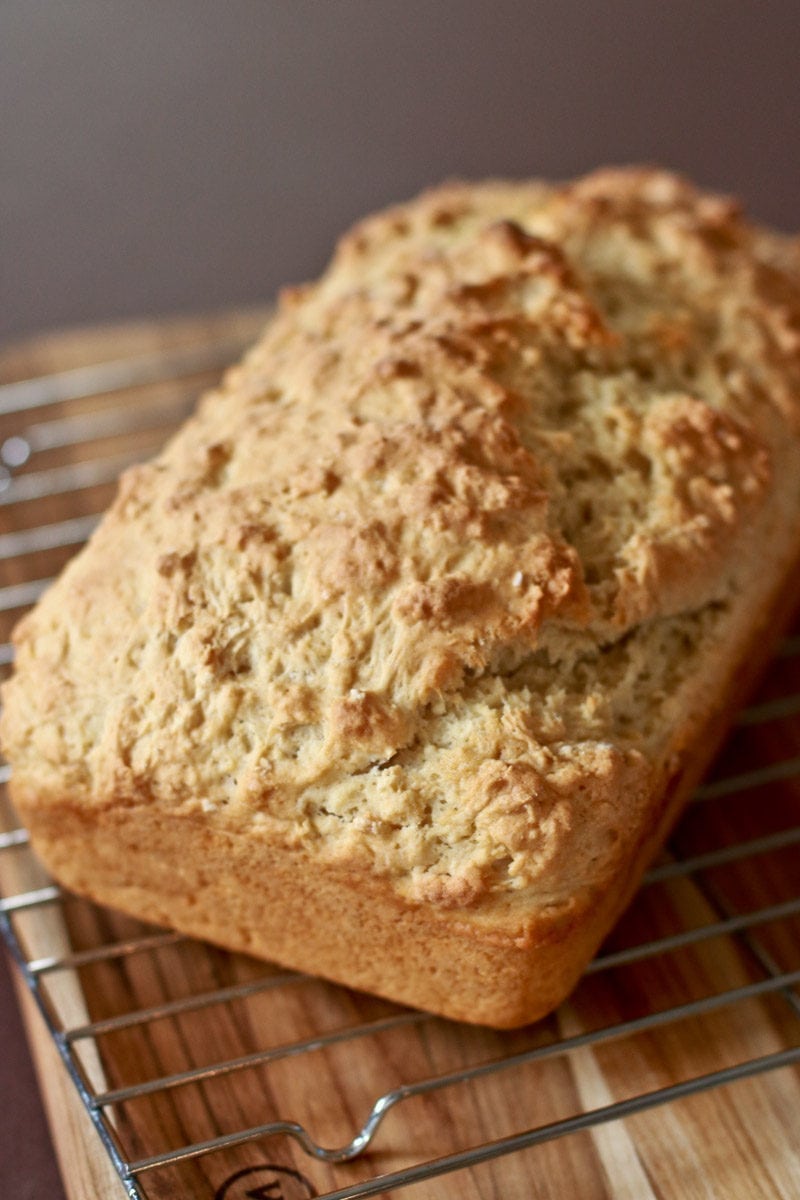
399 660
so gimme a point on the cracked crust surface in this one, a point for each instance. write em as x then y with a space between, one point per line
433 586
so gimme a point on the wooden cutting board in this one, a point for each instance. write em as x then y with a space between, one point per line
320 1055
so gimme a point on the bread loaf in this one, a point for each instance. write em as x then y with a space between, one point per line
398 662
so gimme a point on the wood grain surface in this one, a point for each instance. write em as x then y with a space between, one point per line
308 1052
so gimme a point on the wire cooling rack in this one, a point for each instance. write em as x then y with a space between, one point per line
208 1074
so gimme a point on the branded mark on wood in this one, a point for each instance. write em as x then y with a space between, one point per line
265 1182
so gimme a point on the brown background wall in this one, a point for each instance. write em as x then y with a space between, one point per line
186 154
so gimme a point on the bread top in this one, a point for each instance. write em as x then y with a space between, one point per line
421 586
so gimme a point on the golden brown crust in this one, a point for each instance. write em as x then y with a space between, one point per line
437 589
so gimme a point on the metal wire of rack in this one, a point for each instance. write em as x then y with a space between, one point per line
185 1056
